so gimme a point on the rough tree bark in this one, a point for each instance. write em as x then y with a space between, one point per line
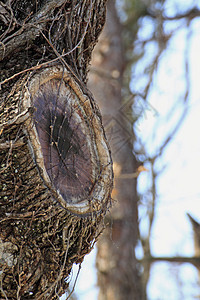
118 275
55 164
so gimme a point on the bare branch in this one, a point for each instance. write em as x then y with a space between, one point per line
172 134
190 14
195 260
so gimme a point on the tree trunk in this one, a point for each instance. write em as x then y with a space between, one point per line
55 164
116 263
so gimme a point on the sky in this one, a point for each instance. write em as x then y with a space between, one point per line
178 188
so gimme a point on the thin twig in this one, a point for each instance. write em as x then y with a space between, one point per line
12 143
176 259
73 288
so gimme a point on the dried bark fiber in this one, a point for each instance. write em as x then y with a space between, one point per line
45 48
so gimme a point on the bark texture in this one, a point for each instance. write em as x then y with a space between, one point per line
118 276
55 164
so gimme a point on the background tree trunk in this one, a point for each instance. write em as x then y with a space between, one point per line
118 275
55 164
